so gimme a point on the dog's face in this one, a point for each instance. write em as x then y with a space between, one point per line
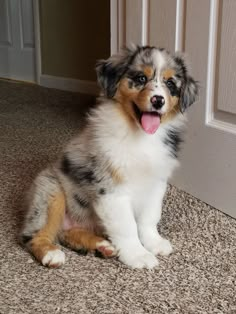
151 85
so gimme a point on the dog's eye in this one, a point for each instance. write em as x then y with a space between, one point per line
142 79
170 83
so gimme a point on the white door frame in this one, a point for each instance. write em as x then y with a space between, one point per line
117 25
37 44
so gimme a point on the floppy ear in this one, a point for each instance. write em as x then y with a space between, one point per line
110 71
189 93
190 87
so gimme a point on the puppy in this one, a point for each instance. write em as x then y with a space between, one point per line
105 191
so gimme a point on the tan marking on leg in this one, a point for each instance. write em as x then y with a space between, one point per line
77 239
42 242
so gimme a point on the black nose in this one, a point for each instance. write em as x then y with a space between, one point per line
157 101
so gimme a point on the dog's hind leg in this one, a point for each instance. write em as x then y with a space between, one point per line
42 244
44 220
83 240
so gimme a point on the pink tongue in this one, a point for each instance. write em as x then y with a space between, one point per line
150 122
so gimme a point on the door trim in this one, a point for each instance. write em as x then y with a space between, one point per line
117 25
37 43
69 84
180 27
211 120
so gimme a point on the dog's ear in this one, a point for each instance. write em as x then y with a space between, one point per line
110 71
190 87
189 93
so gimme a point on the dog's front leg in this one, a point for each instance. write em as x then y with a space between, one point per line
147 220
117 216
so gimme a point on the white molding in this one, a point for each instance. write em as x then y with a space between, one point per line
179 26
222 125
210 119
145 13
212 51
121 24
117 24
114 25
68 84
37 39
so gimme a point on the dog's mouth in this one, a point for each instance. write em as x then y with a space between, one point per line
149 120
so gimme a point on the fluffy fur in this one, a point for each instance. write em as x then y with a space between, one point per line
105 191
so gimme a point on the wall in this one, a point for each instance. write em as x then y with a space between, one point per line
74 34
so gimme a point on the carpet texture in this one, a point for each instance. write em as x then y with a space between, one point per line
199 277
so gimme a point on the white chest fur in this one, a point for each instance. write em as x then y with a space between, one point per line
142 159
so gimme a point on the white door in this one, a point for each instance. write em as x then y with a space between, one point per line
17 60
206 31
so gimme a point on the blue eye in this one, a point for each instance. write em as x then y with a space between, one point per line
170 83
142 79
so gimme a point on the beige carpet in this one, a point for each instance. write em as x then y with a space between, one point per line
198 278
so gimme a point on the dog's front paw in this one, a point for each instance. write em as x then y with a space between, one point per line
54 258
159 245
139 260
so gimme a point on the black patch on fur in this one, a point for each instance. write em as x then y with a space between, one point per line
26 238
82 202
131 84
109 74
66 165
81 251
180 62
189 89
102 191
110 71
174 90
99 254
134 78
173 139
79 174
189 93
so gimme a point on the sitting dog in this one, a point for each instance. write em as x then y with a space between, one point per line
105 191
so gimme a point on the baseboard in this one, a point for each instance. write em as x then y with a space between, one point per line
68 84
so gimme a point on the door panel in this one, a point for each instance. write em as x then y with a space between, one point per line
5 31
162 21
133 21
226 57
17 59
26 16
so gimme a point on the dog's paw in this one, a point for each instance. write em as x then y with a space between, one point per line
159 246
142 260
106 248
54 258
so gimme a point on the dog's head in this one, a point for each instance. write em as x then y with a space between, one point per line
151 85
